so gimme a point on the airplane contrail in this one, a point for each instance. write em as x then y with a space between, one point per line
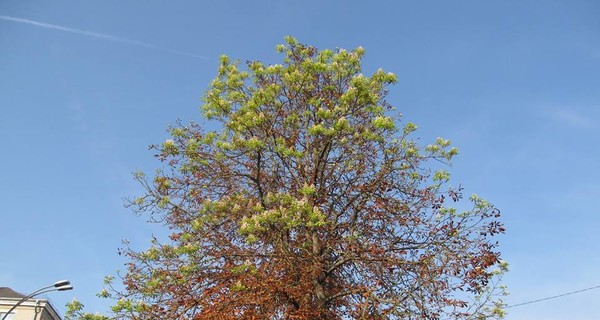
100 36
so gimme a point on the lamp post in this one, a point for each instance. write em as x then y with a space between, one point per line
62 285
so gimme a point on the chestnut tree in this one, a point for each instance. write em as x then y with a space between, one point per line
311 200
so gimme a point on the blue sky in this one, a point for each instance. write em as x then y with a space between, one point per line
514 84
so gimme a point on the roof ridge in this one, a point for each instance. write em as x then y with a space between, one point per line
6 292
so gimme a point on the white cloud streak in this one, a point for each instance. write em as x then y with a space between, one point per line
574 117
100 36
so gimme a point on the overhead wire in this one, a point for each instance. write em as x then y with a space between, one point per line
553 297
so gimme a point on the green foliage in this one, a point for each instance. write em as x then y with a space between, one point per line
75 312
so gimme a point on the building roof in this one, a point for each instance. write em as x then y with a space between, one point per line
9 297
6 292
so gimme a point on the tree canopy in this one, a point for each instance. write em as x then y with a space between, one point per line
309 200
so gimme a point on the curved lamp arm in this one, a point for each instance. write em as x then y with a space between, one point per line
62 285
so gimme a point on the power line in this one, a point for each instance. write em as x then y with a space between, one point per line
553 297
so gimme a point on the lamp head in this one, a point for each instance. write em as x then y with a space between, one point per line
64 288
62 283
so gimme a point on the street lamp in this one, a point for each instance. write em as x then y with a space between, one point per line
62 285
